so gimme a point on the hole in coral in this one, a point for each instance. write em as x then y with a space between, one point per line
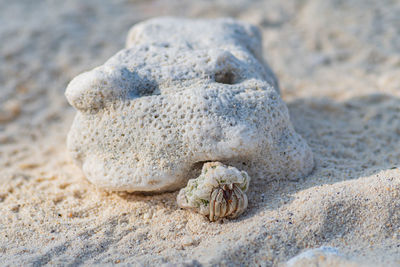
225 77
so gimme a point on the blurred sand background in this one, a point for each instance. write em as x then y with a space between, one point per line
338 63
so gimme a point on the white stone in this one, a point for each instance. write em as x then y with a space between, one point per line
182 93
187 241
322 256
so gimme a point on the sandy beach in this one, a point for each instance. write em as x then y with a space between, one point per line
338 65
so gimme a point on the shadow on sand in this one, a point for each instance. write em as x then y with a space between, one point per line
349 139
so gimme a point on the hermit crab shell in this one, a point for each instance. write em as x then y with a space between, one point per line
227 201
218 192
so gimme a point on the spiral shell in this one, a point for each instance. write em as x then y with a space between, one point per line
227 201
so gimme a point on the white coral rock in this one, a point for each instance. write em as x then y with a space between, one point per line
183 92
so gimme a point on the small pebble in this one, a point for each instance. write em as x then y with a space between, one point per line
11 109
187 241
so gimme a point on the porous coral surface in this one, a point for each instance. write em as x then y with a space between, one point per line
155 111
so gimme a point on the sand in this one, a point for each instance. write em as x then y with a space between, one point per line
338 64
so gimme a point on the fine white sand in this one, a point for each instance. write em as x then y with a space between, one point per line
338 63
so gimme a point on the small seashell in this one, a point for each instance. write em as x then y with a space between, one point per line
227 201
217 193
